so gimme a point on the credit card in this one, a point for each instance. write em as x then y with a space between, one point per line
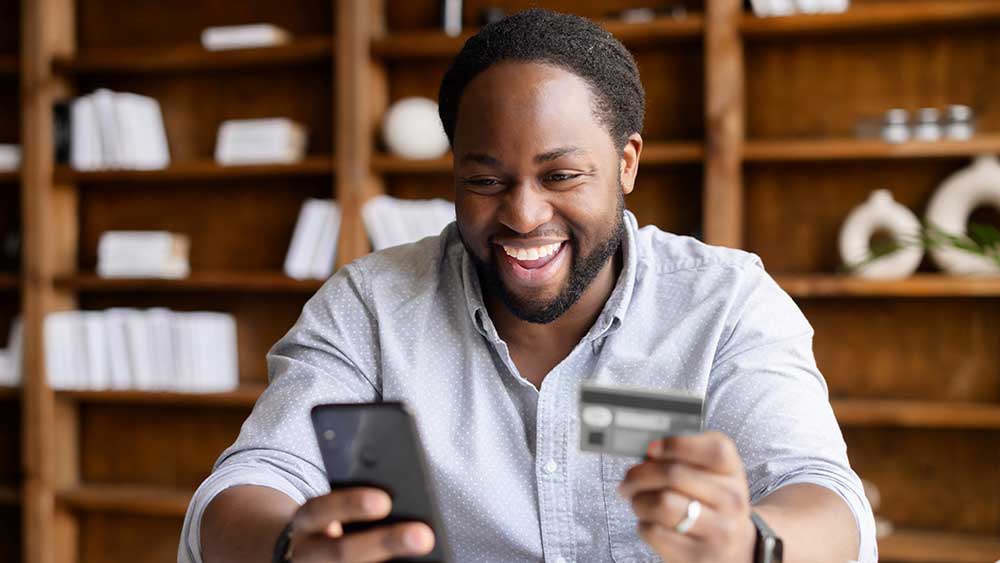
625 420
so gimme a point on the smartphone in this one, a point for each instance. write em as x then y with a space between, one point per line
376 445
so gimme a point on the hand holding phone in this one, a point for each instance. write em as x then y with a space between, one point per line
318 529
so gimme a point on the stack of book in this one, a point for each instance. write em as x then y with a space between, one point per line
314 242
10 158
244 36
147 350
10 357
768 8
115 130
143 254
260 141
391 222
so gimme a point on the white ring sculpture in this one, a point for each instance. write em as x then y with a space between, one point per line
880 212
949 210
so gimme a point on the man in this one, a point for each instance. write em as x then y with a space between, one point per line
487 330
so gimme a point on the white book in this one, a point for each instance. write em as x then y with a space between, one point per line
120 373
59 350
143 254
161 341
96 344
217 352
10 157
15 352
260 141
326 246
243 36
308 231
140 352
141 132
112 153
85 142
182 351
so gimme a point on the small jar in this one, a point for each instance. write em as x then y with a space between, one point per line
958 123
928 127
895 126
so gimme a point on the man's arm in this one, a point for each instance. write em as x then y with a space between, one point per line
241 524
814 523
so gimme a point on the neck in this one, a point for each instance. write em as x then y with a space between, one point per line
567 330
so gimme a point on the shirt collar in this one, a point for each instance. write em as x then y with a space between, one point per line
611 316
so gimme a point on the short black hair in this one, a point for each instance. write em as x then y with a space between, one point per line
570 42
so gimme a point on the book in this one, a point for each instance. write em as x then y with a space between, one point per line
109 129
10 158
143 254
243 36
391 222
260 141
10 357
313 246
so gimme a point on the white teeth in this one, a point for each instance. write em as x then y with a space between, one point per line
532 253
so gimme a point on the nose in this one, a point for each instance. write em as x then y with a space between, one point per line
525 207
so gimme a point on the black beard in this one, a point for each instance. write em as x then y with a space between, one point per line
583 270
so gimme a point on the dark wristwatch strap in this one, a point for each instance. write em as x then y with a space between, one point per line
768 548
283 547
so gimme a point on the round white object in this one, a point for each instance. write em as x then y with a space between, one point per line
959 195
412 129
881 212
597 416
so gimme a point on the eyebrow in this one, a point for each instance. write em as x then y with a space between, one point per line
483 158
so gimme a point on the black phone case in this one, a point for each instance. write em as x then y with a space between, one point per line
376 445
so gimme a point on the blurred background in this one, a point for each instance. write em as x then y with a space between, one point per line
178 176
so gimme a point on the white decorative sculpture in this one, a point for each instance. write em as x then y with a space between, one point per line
949 210
880 212
412 129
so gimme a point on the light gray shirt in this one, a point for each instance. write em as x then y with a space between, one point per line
409 324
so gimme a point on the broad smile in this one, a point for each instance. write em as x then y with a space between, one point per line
532 266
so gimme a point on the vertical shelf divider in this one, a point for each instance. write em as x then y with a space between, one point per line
725 109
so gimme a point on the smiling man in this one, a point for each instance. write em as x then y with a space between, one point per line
486 332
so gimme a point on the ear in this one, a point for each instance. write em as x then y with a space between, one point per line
629 163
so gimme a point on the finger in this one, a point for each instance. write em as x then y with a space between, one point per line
327 512
726 494
382 543
668 508
668 543
712 450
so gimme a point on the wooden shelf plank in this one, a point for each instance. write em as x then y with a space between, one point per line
200 170
919 546
11 178
244 396
791 150
656 153
917 414
919 285
194 58
877 17
10 495
128 499
9 64
9 281
432 43
248 281
10 393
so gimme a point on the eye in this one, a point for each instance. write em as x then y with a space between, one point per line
482 185
561 177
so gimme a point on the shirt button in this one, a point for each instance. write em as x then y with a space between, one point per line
551 467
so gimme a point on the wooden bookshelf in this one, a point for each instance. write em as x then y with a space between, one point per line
232 281
128 499
917 414
919 546
194 57
200 170
919 285
868 17
791 150
10 393
243 397
733 108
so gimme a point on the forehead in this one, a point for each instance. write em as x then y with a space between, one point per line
527 102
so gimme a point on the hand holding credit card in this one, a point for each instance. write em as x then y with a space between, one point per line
623 421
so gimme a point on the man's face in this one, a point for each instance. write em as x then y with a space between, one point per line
538 186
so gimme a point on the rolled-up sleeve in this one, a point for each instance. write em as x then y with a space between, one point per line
328 356
766 392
